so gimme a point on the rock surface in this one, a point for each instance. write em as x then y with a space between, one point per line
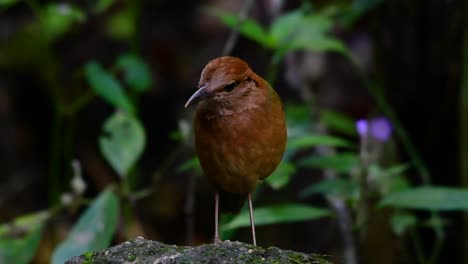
144 251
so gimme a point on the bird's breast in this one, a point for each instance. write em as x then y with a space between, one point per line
236 151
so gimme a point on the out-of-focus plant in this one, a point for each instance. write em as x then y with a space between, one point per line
122 140
297 30
361 174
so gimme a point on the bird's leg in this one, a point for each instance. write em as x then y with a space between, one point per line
252 222
216 237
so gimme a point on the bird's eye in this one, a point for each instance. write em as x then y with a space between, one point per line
230 87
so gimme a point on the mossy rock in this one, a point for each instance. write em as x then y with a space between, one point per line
144 251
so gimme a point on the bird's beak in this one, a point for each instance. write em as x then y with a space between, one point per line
198 95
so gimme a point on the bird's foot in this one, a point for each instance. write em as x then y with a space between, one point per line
217 240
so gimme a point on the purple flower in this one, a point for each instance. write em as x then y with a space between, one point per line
361 126
379 128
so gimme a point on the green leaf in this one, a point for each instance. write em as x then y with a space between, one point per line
191 164
334 187
122 141
395 170
102 5
429 198
276 214
57 19
338 122
8 2
318 43
281 176
299 119
93 231
106 86
311 140
390 179
357 9
283 27
248 28
136 72
21 250
24 222
301 31
342 162
122 24
402 221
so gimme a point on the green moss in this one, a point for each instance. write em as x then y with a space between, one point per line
131 257
145 252
88 257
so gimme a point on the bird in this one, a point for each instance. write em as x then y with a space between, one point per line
240 129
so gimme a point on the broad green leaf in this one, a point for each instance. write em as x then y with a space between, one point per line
136 72
429 198
281 176
283 27
395 170
342 162
225 218
338 122
20 250
399 183
318 43
57 19
8 2
24 222
103 5
276 214
390 179
333 187
248 28
122 141
357 9
122 24
191 164
299 119
306 32
313 140
93 231
106 86
402 221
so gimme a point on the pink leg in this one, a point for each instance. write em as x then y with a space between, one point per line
252 222
216 237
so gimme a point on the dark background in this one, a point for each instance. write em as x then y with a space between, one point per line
414 49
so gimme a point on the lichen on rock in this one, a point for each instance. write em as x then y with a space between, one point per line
144 251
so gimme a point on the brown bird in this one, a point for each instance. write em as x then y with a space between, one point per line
240 130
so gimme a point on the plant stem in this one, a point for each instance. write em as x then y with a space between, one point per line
385 107
417 246
234 35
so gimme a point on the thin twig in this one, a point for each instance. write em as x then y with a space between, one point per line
234 35
385 107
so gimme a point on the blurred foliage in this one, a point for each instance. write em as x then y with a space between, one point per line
275 214
355 159
20 239
429 198
122 142
296 30
93 231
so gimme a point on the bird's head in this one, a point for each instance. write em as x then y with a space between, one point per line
225 81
